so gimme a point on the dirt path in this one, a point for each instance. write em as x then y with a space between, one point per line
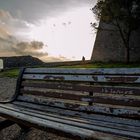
7 89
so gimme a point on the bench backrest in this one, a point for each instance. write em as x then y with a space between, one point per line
112 91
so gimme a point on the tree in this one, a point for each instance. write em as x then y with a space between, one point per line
123 14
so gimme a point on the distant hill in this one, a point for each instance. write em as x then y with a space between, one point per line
21 61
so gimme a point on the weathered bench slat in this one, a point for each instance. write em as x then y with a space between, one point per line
54 94
84 78
120 131
79 119
87 88
61 127
85 116
114 100
105 109
121 71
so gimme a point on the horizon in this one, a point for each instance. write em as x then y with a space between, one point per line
50 31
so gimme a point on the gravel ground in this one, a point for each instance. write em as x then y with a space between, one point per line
7 89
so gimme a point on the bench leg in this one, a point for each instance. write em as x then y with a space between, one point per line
5 123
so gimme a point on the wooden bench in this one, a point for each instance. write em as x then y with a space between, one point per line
88 104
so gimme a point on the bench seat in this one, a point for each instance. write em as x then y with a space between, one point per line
71 122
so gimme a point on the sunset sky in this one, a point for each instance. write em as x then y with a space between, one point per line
51 30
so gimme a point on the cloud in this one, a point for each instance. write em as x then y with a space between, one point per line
10 46
6 45
54 59
29 48
9 28
32 10
20 16
34 45
4 14
12 26
5 31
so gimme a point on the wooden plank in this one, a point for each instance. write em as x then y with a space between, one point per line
84 78
76 132
55 94
114 100
79 119
77 114
86 88
72 123
6 123
102 71
96 108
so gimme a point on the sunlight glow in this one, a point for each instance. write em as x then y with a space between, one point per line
68 35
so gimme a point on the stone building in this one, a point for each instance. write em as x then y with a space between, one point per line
109 47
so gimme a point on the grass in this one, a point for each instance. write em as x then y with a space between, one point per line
104 65
13 73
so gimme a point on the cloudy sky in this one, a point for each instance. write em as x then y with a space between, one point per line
48 29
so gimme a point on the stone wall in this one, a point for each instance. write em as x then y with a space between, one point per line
109 47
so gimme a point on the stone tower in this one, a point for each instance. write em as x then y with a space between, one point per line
109 47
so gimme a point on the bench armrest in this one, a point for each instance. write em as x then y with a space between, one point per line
18 85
